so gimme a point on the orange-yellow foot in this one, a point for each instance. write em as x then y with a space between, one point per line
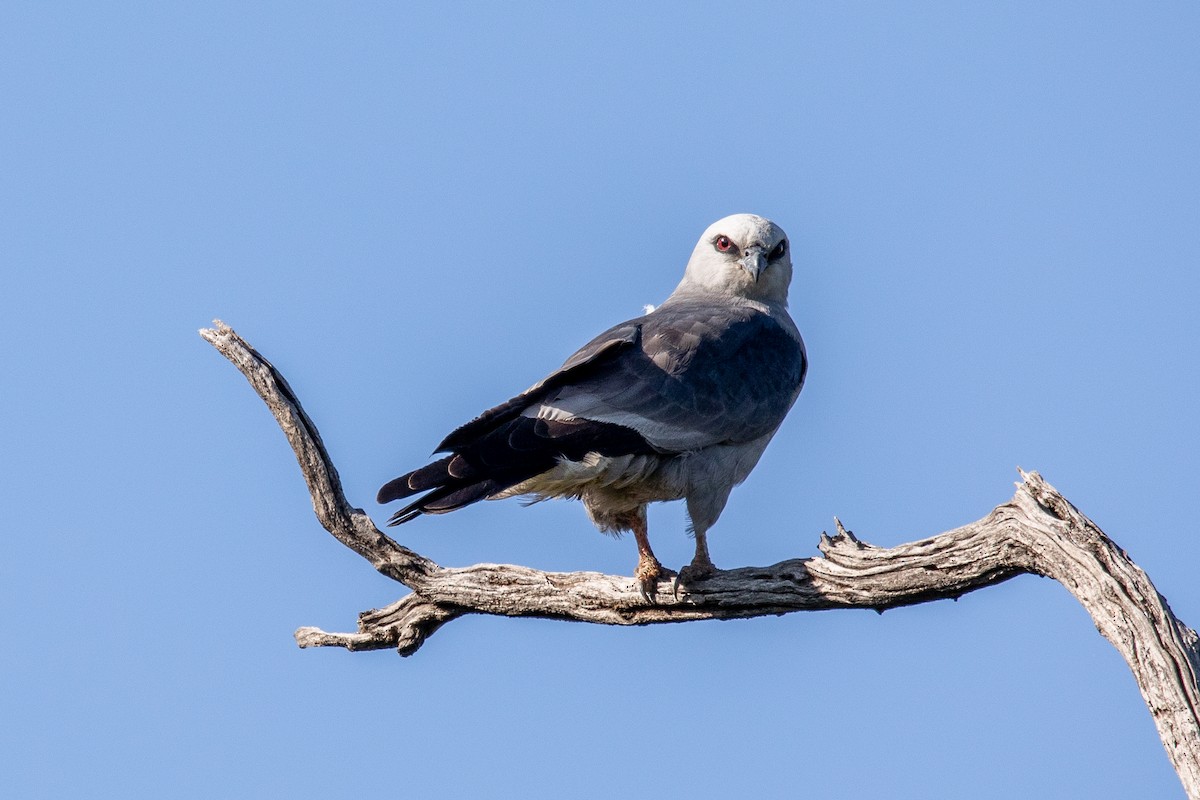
648 573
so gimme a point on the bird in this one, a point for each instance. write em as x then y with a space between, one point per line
678 404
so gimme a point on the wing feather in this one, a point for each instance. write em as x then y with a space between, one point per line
705 374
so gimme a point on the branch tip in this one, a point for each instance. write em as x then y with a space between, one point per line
844 536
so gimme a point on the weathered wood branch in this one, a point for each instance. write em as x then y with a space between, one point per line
1036 532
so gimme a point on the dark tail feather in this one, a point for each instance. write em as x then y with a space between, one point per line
400 519
419 480
460 497
502 457
445 499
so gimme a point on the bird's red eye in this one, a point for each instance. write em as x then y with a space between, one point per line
723 244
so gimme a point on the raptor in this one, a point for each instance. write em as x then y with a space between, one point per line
677 404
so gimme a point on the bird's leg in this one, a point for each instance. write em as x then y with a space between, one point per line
701 567
648 571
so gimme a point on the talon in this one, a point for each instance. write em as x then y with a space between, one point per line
648 574
648 591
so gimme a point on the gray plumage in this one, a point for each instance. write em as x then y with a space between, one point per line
677 404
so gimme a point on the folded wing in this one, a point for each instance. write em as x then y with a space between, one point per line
682 378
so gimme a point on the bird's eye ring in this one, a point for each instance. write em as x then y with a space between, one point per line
778 251
723 244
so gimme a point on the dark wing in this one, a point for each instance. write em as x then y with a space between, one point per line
687 376
705 374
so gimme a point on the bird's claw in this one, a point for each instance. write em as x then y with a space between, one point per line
648 574
694 572
648 592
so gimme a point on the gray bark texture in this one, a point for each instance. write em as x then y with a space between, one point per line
1036 532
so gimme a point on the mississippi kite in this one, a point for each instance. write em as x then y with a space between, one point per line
677 404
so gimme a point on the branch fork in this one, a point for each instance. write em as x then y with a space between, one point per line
1037 532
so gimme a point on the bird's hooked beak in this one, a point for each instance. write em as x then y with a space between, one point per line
754 262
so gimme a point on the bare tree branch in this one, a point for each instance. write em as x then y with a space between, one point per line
1036 532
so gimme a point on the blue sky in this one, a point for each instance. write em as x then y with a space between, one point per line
416 212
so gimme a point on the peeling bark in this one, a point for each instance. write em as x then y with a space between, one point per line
1036 532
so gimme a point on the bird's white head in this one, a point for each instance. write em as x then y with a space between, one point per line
743 255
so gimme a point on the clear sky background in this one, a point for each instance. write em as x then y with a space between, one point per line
416 212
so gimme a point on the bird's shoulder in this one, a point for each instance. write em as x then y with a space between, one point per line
701 373
680 334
